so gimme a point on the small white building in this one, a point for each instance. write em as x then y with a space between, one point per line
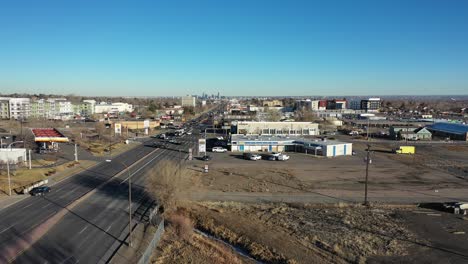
327 148
13 155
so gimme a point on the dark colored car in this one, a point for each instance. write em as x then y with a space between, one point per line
40 190
206 158
159 145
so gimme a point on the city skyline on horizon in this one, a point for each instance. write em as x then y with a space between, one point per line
266 48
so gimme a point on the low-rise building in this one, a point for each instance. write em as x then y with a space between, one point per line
276 128
272 103
410 133
449 130
113 108
263 143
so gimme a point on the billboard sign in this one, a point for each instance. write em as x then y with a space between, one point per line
146 124
201 145
118 128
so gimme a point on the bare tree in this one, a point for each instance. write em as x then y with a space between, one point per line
166 182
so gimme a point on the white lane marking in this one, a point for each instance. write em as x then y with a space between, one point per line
27 206
6 229
109 227
82 230
142 167
45 205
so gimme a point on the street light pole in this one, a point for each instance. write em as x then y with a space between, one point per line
129 208
129 202
366 203
8 172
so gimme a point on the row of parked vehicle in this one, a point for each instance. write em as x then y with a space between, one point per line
267 156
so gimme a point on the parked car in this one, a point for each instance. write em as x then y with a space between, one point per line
255 157
268 157
282 157
276 154
206 158
218 149
41 190
220 138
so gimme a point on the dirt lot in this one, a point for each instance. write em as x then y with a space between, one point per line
398 175
311 231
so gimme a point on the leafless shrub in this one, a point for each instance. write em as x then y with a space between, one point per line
166 182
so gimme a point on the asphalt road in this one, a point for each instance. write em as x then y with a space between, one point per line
87 231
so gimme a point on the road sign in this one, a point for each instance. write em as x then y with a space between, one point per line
201 145
190 155
118 128
146 124
206 168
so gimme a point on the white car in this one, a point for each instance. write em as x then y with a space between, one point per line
220 138
255 157
276 154
218 149
283 157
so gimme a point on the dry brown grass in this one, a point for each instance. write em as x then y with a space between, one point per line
182 224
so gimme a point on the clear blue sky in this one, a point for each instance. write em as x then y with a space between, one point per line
237 47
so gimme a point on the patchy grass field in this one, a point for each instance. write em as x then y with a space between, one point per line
290 233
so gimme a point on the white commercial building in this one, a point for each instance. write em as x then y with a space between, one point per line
327 148
114 108
276 128
13 155
262 143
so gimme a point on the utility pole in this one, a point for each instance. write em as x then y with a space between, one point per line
76 153
29 159
368 123
366 203
8 173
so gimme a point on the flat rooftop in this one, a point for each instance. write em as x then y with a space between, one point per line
289 139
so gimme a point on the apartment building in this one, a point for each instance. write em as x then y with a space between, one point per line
18 108
371 104
4 108
188 100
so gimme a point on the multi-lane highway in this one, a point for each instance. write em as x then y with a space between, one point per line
78 222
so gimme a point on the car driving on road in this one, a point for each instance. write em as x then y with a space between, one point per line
42 190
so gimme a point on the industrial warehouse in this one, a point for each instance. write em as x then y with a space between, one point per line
318 147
